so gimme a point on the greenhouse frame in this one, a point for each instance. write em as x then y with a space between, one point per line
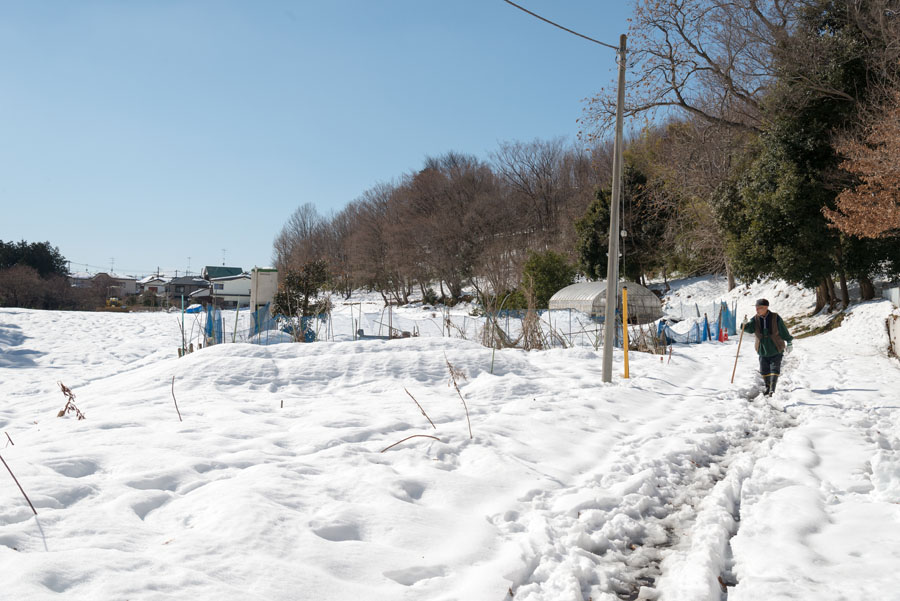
590 298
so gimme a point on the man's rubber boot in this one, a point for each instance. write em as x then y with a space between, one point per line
768 385
772 385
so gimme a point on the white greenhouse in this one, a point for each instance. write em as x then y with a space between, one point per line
590 297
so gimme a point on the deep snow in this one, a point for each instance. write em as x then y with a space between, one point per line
673 484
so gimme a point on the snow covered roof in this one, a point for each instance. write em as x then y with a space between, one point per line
228 278
188 280
154 278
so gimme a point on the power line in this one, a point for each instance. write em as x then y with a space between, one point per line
522 8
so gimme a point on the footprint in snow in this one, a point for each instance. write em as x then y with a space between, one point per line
338 531
408 490
73 468
153 502
410 576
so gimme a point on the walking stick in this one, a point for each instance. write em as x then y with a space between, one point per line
738 354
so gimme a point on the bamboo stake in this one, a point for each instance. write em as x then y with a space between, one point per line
176 400
738 354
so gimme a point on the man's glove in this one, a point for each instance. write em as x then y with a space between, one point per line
789 348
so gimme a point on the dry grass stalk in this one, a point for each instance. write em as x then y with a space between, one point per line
420 408
532 337
176 400
17 484
456 375
459 330
70 403
10 440
645 340
557 336
408 437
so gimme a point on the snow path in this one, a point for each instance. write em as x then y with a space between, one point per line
829 492
671 485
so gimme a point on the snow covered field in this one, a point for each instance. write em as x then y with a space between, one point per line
669 485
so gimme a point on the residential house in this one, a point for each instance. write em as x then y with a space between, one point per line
215 271
228 292
153 284
183 287
81 279
118 286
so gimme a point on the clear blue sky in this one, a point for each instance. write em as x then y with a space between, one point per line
150 132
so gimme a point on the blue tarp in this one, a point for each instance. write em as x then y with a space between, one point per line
705 328
213 328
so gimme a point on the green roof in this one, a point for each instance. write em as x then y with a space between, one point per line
213 271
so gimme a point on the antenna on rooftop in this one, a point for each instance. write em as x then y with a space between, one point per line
223 257
188 272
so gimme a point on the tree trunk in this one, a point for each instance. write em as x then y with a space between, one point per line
730 275
866 288
666 279
845 291
832 295
842 275
821 296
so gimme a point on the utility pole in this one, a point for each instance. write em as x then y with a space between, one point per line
612 266
612 263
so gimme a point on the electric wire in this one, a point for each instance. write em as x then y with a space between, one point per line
522 8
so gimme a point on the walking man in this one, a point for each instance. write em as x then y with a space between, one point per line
772 339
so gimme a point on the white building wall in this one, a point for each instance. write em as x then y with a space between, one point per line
263 286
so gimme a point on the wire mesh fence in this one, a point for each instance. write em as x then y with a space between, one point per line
545 329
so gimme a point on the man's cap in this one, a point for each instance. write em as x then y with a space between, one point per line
762 303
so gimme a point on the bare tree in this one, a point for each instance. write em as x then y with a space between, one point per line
20 286
294 245
713 59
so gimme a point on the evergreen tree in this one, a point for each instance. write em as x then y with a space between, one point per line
644 226
298 289
41 256
546 273
772 210
593 237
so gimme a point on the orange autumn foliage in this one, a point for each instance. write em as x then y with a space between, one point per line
871 209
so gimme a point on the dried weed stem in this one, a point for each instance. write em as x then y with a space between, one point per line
456 374
70 403
408 437
420 408
17 484
176 400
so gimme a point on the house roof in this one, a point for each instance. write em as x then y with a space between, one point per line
154 278
188 280
215 271
228 278
115 276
